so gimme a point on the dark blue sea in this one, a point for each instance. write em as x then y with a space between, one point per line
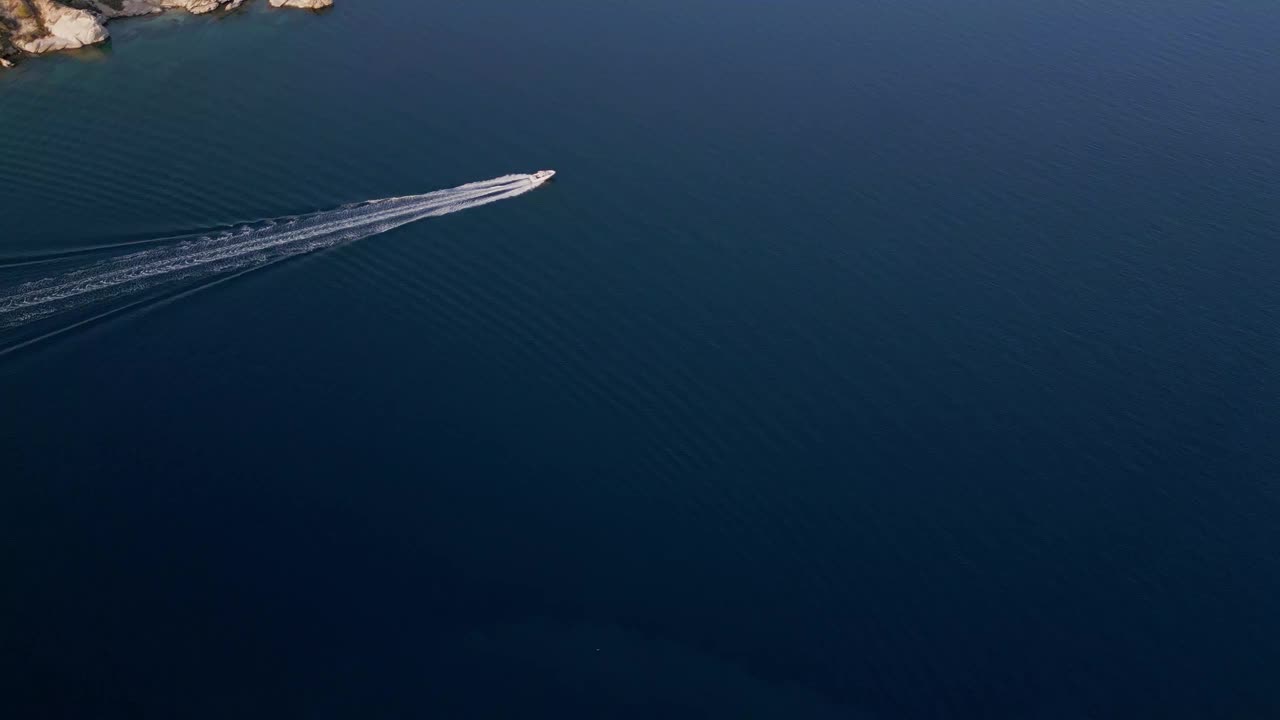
868 359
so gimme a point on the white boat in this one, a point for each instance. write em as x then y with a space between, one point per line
542 176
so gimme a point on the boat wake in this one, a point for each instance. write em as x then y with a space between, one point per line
126 279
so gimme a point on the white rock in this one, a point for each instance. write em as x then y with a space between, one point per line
195 7
68 28
131 8
304 4
199 7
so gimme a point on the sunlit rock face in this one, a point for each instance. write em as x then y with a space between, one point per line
40 26
57 26
304 4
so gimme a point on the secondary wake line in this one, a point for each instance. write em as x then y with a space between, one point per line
242 249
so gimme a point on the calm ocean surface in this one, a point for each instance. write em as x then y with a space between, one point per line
869 359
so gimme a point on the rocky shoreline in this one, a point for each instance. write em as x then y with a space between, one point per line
32 27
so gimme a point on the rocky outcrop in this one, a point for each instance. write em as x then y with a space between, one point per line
304 4
40 26
65 28
20 23
199 7
133 8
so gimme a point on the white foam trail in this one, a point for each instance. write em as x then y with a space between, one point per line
241 249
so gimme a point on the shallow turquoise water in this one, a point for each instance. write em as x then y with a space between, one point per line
867 359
